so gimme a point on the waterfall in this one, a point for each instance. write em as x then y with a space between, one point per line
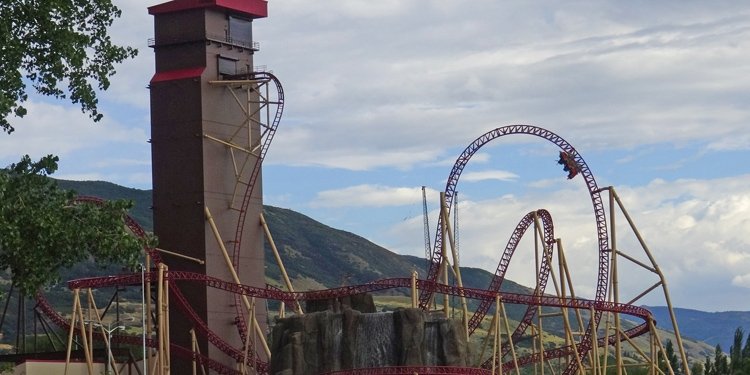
432 345
336 336
375 341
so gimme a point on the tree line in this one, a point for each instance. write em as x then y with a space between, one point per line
737 362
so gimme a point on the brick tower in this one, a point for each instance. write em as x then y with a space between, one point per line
204 133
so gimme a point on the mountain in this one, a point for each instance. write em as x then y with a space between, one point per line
141 210
710 327
315 255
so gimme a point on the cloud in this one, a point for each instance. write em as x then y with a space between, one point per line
133 75
739 141
489 175
695 230
392 86
61 130
398 85
430 77
108 150
742 280
369 196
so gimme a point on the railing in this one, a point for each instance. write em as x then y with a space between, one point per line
251 45
225 39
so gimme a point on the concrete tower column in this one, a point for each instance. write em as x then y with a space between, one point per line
197 42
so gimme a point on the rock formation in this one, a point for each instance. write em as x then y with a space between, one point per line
329 341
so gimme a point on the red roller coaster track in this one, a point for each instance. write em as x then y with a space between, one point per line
267 133
427 287
596 200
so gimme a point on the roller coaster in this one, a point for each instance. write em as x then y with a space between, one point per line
594 333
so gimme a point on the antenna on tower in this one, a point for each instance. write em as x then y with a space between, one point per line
427 242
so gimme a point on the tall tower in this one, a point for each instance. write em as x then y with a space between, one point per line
205 135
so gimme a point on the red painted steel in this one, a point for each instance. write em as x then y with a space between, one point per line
502 267
248 8
531 300
596 200
178 74
427 287
267 134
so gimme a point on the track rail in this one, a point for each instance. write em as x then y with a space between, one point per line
502 267
374 286
532 300
596 200
267 133
427 287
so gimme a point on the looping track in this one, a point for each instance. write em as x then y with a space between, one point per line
596 200
427 287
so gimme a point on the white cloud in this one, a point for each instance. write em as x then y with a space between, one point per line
489 175
695 229
427 78
477 158
369 196
390 84
58 129
109 163
730 143
742 280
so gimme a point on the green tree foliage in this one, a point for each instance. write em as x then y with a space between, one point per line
43 229
720 365
696 369
61 48
709 367
738 362
674 363
735 351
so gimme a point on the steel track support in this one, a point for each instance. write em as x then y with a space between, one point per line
510 336
567 280
496 345
595 369
76 315
655 268
279 262
456 267
659 345
615 282
93 310
235 277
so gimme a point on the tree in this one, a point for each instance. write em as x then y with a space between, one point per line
696 369
709 368
735 351
43 229
746 349
721 363
674 363
61 48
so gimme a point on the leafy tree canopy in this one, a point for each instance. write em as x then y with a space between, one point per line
44 229
61 48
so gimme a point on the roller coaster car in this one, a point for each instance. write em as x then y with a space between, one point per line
569 164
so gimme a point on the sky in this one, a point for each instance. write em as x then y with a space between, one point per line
382 97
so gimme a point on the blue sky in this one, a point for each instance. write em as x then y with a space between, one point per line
382 96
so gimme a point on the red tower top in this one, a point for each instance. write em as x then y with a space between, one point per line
249 8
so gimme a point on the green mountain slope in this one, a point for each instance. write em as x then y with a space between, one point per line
315 255
141 211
